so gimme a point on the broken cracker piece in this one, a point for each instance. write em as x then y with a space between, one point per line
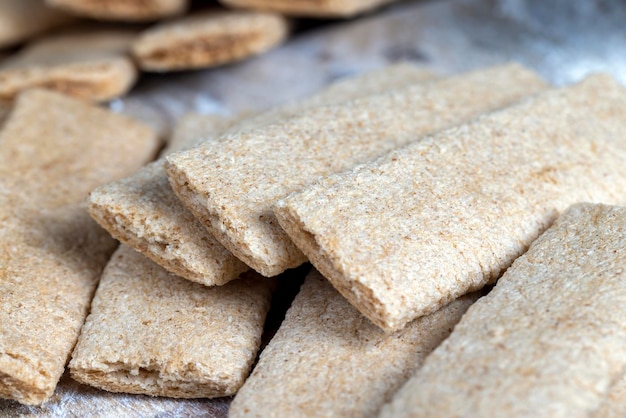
548 341
21 20
231 185
312 8
208 39
329 360
402 236
123 10
152 333
53 151
143 212
89 65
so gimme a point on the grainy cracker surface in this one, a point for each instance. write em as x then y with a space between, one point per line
419 227
53 151
143 212
614 405
152 333
232 185
90 65
548 341
329 360
123 10
208 39
316 8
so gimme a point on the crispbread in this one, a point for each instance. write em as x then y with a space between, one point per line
208 39
329 360
143 212
123 10
614 406
231 185
90 65
548 340
314 8
21 20
171 337
53 151
406 234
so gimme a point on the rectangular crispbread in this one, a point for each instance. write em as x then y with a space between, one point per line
53 151
231 185
143 212
406 234
548 341
313 8
329 360
90 64
122 10
152 333
208 39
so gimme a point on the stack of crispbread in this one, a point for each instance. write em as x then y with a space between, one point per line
409 194
65 50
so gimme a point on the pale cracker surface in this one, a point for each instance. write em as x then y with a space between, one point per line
329 360
614 405
123 10
406 234
313 8
21 20
231 185
548 341
208 39
53 151
152 333
89 64
143 212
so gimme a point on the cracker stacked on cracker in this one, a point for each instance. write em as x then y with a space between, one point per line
409 195
97 62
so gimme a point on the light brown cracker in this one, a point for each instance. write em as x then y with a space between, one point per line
548 341
208 39
329 360
123 10
143 212
90 65
313 8
21 20
231 185
614 405
152 333
53 151
406 234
